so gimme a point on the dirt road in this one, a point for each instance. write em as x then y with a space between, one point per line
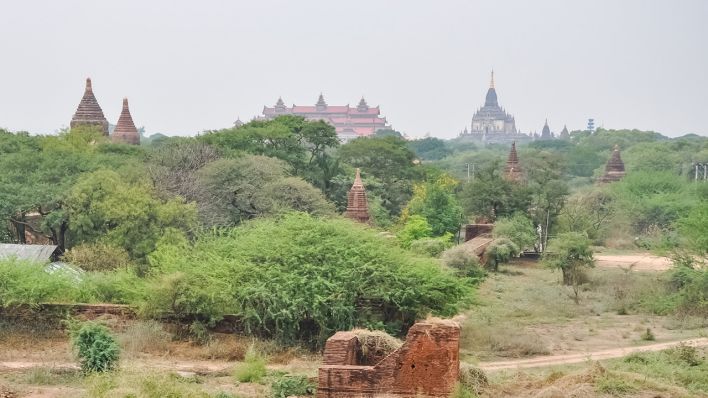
638 262
594 356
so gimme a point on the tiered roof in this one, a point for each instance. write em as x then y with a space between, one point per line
89 113
361 120
125 131
357 205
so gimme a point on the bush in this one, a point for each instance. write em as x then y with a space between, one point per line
97 257
252 369
289 386
518 228
464 261
298 278
431 247
23 282
415 228
473 378
144 336
95 346
500 251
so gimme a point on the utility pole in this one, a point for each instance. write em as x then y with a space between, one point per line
705 170
695 178
468 171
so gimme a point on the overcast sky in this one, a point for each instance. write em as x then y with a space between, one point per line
189 66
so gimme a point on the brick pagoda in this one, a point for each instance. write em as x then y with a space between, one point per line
89 113
125 131
357 206
512 171
614 170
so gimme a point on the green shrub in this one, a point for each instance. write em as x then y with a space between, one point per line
199 333
474 379
518 228
500 251
290 385
23 282
463 261
95 346
431 247
416 227
97 257
298 278
253 367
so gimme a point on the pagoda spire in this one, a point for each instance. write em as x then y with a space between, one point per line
512 170
491 82
125 131
89 113
614 169
357 205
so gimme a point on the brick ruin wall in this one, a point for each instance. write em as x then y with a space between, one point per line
427 365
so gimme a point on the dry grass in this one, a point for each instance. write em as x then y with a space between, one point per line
375 345
144 337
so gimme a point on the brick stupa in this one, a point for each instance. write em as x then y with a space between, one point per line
357 206
89 113
614 170
512 171
125 131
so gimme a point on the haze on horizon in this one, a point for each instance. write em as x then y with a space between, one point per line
193 66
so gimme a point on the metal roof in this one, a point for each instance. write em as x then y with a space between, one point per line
36 253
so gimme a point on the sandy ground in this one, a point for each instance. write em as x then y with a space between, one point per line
590 356
637 262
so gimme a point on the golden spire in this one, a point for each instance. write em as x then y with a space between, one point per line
491 83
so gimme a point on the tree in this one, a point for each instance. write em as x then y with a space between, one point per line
173 167
434 200
517 228
587 212
570 252
694 228
389 161
429 148
102 207
490 195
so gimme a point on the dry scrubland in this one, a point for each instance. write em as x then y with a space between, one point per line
521 312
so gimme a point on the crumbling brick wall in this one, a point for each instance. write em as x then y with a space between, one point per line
427 365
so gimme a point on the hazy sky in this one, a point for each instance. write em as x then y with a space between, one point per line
189 66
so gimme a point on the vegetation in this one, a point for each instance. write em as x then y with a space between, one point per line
570 252
97 349
253 367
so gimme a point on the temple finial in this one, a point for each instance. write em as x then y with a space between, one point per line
88 84
491 82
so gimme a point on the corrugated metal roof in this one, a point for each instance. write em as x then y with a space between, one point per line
36 253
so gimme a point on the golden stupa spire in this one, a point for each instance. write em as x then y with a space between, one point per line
491 83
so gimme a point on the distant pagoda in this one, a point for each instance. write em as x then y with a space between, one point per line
564 134
512 171
89 113
125 131
357 206
614 170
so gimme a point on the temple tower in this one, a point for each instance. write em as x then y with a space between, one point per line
564 134
614 170
125 131
357 206
89 113
546 132
512 171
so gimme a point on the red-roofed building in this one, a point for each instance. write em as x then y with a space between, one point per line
350 122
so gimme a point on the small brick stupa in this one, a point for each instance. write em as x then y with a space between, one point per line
512 171
125 131
614 170
89 113
357 206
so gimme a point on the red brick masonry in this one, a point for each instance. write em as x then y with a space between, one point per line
427 365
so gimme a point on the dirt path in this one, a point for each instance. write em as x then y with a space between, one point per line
578 358
638 262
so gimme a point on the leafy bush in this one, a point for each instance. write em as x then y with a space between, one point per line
500 251
431 247
289 385
253 367
95 346
517 228
23 282
464 261
473 378
97 257
300 278
416 227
